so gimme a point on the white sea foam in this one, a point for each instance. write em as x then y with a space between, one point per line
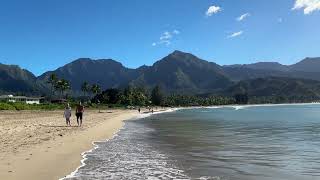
210 178
144 115
238 107
84 155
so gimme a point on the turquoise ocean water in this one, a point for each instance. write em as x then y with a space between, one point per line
225 143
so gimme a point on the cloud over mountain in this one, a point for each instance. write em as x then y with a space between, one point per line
166 37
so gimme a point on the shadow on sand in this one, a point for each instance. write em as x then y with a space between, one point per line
52 126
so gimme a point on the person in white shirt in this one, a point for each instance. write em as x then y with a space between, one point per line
67 114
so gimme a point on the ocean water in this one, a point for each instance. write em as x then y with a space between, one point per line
227 143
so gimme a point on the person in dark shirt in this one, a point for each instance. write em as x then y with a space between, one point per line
79 113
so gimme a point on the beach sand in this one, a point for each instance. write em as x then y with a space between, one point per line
38 145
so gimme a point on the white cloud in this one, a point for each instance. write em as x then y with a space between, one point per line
166 37
280 20
176 32
213 10
235 34
308 6
243 16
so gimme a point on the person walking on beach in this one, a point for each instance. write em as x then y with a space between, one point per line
139 110
79 113
67 114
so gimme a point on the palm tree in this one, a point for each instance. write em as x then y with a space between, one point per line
52 81
85 87
95 89
62 85
156 96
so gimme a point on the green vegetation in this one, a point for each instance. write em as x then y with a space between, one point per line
133 96
57 84
24 106
157 96
95 89
62 85
130 96
6 106
52 106
85 88
52 81
241 98
138 96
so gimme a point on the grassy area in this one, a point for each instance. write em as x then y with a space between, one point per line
51 106
24 106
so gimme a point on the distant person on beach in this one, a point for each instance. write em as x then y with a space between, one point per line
79 113
67 114
139 110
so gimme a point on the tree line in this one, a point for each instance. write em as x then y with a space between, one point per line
56 84
63 85
140 96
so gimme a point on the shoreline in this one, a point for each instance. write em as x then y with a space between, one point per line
248 105
84 154
95 146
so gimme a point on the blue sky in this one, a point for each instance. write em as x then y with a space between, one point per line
42 35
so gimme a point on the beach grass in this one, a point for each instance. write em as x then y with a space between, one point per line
51 106
24 106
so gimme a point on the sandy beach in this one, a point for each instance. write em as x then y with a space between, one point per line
38 145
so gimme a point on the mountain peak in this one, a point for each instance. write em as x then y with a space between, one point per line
178 52
181 56
307 65
93 60
311 59
268 62
268 66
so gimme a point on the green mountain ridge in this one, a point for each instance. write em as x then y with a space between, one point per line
277 87
183 72
105 72
13 79
179 72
